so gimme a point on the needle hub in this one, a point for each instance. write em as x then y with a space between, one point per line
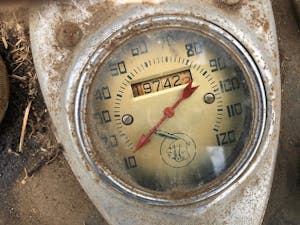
169 112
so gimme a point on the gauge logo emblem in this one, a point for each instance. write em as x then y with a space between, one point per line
178 150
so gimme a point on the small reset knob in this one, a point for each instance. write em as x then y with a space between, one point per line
4 89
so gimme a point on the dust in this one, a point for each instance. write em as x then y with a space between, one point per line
37 186
24 89
35 139
284 201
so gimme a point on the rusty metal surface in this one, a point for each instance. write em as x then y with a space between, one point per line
251 22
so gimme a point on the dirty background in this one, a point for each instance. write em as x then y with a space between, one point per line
36 183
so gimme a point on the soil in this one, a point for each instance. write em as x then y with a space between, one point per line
284 203
37 185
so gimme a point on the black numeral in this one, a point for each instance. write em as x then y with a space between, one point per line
194 48
147 88
167 83
102 93
117 68
217 64
110 141
103 116
130 162
136 91
158 84
177 79
230 84
226 138
234 109
139 49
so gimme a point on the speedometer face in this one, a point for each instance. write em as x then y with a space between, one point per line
170 113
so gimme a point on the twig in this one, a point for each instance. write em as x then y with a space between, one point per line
4 42
24 180
37 166
45 160
10 151
25 119
18 66
19 78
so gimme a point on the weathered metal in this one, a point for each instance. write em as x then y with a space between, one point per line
59 64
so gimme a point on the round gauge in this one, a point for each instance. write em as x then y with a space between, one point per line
3 89
170 110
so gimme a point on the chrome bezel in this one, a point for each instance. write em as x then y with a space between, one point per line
173 21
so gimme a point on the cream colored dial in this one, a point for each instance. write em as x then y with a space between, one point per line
188 152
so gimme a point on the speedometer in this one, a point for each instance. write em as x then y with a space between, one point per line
173 113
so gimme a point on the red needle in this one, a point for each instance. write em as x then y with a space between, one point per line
168 113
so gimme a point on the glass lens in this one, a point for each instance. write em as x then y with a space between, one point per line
136 97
